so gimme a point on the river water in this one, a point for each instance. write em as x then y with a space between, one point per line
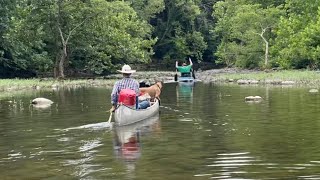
203 131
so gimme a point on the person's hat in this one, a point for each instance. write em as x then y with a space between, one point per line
126 69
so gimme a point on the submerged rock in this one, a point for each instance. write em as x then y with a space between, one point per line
242 81
41 106
313 90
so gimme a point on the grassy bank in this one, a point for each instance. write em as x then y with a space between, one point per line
7 85
298 76
281 75
25 84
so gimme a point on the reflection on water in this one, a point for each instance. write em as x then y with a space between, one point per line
208 131
127 140
185 92
94 126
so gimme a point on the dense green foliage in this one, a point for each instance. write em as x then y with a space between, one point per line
71 37
246 32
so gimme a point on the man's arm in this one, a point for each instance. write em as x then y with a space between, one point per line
176 64
114 94
190 62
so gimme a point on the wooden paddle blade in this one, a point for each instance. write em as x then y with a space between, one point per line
110 117
176 77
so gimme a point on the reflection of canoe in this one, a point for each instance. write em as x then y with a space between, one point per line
144 126
187 83
185 79
125 115
185 92
128 137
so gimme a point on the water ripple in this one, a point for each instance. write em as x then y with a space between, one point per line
89 145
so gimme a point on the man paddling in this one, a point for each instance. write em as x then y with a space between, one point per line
185 69
126 83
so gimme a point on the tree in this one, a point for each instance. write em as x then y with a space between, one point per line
246 31
147 9
92 36
296 44
6 11
118 36
178 32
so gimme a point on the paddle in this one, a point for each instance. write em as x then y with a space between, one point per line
193 75
110 117
176 76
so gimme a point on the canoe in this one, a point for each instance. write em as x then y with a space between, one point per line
125 115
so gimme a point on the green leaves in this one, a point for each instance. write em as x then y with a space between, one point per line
147 9
246 31
105 33
297 42
181 29
119 36
97 36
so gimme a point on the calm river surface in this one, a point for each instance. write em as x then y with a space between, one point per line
205 131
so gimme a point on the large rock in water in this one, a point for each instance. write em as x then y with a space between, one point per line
41 103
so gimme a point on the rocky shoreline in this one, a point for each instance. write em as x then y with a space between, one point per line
305 78
224 76
213 75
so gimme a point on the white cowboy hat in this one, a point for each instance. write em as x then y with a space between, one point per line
126 69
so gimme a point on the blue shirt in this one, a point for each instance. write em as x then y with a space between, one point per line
125 83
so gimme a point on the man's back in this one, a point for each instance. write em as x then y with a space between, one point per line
184 69
125 83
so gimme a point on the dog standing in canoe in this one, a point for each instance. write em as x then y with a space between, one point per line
153 91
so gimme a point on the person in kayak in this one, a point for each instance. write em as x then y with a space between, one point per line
185 69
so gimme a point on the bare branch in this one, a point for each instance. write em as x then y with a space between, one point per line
61 34
70 33
80 24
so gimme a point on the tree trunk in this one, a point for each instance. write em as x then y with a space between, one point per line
62 61
59 63
266 55
56 67
63 56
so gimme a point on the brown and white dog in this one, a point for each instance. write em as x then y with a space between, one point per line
153 91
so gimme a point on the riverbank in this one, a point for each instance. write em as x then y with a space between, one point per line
237 76
49 83
272 77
